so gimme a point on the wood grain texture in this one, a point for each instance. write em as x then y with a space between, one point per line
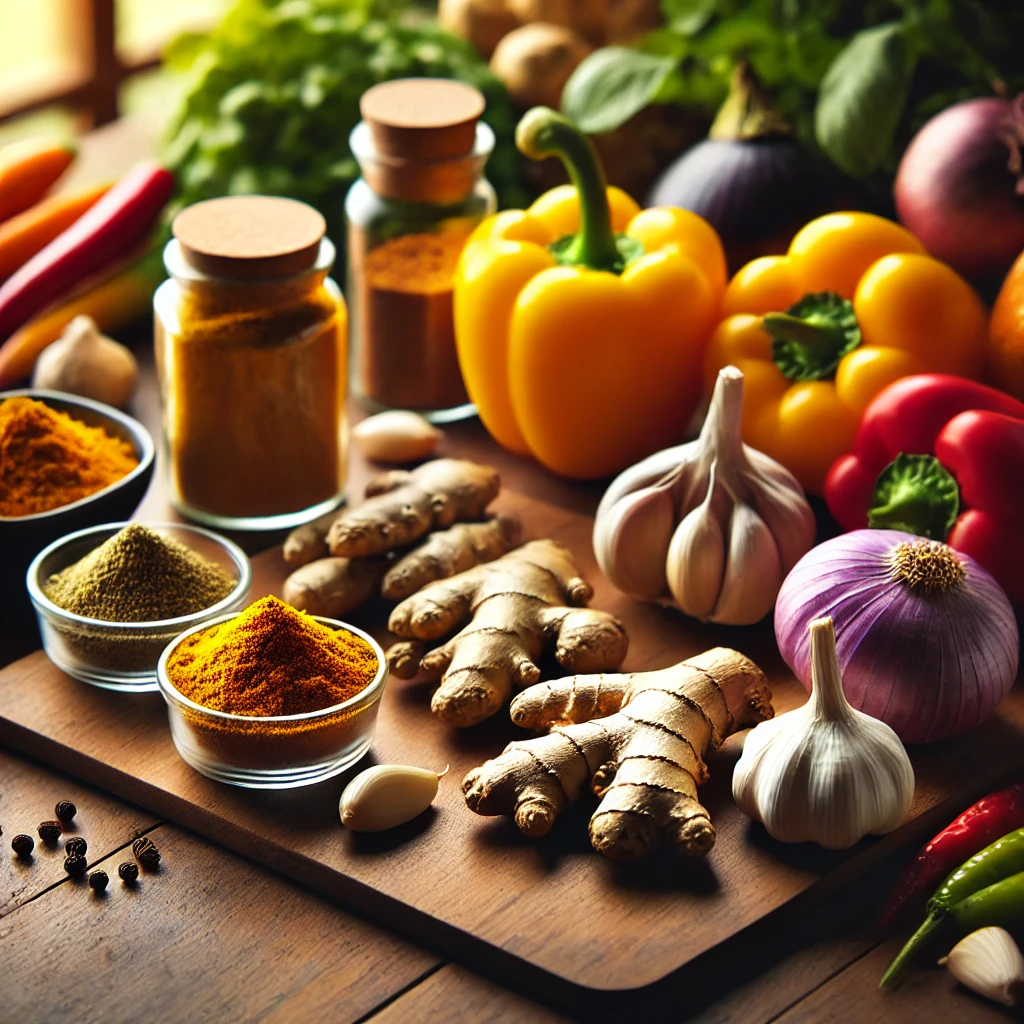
551 914
453 995
930 994
207 938
28 793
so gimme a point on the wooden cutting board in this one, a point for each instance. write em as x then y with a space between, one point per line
549 915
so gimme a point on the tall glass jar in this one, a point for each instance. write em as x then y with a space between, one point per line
422 153
252 362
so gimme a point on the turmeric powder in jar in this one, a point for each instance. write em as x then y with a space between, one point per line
421 150
251 353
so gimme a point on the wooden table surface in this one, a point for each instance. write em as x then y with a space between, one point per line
213 937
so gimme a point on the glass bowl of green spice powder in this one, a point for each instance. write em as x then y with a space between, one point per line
110 598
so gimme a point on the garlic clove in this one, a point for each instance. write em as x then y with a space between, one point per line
386 796
752 575
645 473
988 962
396 436
779 500
696 558
82 361
633 540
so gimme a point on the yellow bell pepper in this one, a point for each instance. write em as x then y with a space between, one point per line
855 304
581 322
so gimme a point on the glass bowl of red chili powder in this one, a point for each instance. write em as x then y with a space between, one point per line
272 698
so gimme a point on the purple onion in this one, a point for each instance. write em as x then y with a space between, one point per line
926 638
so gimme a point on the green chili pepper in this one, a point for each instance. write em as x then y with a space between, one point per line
984 871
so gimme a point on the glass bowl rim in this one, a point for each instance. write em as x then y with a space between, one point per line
54 611
369 694
143 442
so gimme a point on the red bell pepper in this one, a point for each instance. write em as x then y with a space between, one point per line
942 457
982 823
110 228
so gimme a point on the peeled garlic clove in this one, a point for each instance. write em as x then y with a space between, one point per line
84 362
988 962
753 575
386 796
696 559
632 540
396 436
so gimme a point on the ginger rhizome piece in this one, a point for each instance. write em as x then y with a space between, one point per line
512 609
401 506
638 740
335 586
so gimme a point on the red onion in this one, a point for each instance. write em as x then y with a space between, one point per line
960 186
926 638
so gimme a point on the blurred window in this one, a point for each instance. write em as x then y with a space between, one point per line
77 54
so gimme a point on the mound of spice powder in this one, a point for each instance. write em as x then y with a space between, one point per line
49 459
139 576
271 660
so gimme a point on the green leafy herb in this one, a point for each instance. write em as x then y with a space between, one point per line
611 85
862 97
916 494
273 94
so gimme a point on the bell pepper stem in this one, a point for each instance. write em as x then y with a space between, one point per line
917 494
782 326
542 133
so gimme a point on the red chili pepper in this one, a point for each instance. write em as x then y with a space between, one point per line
108 229
967 495
992 817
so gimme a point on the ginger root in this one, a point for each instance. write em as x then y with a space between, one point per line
335 586
513 609
404 505
638 740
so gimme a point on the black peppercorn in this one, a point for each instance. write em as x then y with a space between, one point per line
146 852
65 810
98 880
23 845
49 831
76 845
75 865
128 872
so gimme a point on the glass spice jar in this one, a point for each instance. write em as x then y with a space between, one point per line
421 151
252 362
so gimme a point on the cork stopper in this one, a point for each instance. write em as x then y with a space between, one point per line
422 118
249 237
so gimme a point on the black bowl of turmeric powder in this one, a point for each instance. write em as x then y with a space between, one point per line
66 463
110 598
272 698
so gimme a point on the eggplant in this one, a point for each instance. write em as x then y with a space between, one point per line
749 178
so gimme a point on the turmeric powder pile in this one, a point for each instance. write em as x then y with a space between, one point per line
48 459
271 660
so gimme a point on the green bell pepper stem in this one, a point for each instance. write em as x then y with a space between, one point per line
784 327
542 133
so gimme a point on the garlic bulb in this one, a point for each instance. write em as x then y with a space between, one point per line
386 796
824 773
396 436
713 525
84 362
988 962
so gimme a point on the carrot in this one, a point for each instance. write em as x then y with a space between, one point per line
106 231
23 235
28 169
114 302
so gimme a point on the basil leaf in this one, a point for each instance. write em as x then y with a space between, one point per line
862 98
688 17
611 85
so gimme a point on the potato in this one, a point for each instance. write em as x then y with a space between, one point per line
482 22
535 61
